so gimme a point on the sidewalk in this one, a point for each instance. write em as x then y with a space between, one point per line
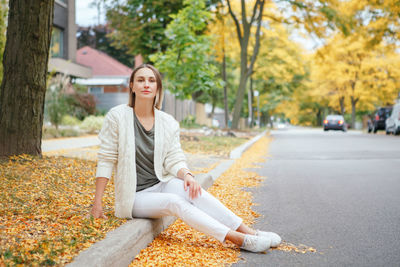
120 246
69 143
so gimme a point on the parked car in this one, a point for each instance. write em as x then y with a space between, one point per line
335 122
377 122
393 121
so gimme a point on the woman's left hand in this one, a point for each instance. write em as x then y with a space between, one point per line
193 185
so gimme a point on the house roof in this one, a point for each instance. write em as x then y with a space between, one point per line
101 63
103 81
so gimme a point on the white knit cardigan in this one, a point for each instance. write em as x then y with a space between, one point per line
117 150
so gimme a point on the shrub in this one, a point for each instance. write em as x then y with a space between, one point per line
70 120
92 124
189 122
101 112
87 102
51 132
69 133
81 105
56 105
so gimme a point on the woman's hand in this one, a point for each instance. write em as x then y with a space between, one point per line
193 185
97 212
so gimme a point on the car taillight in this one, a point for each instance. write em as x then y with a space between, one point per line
377 117
340 122
325 121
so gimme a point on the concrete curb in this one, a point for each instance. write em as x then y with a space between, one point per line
120 246
237 152
220 169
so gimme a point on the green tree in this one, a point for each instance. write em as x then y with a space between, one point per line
23 87
187 63
139 25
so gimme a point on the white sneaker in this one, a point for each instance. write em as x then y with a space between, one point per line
275 239
255 243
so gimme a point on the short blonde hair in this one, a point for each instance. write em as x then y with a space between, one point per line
160 94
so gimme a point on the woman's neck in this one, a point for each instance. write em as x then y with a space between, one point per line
143 109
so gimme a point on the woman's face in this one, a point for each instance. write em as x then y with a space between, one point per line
144 84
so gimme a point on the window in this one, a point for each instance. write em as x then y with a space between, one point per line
96 90
56 45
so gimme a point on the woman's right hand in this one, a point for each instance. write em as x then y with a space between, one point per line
97 212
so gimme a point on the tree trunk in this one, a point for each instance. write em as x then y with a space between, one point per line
243 30
212 111
319 117
354 101
242 88
225 89
341 102
251 104
23 88
353 111
269 120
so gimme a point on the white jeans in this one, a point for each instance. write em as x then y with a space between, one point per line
205 213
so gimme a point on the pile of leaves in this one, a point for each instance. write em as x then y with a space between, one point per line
44 204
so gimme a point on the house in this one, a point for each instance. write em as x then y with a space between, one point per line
63 42
110 78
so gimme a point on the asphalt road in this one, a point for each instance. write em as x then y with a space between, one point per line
336 192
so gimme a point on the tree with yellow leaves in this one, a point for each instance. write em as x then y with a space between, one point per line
280 70
376 20
357 69
316 16
347 71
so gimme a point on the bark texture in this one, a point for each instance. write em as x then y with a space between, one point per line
23 88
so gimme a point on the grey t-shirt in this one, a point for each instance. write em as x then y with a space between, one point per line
144 145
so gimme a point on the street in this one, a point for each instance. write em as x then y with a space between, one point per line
336 192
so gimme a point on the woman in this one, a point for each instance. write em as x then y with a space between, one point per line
152 178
